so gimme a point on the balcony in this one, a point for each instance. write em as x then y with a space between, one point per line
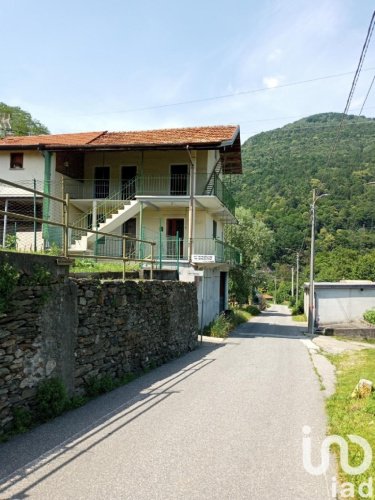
206 252
156 186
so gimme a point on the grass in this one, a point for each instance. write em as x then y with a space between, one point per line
90 266
349 415
224 324
300 318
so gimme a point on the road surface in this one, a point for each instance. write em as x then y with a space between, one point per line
222 422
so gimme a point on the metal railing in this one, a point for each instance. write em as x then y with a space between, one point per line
149 185
221 251
102 210
53 227
221 191
174 248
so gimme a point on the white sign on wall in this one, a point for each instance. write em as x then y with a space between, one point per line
202 259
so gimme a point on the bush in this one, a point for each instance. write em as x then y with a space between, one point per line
22 420
96 386
220 327
253 310
298 308
370 316
8 280
52 398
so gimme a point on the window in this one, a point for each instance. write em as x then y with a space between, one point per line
16 160
178 182
214 229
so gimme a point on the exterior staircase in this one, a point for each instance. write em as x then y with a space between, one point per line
216 171
126 211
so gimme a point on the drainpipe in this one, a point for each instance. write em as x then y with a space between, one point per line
46 189
191 206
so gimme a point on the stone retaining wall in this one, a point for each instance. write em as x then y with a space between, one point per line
79 329
129 326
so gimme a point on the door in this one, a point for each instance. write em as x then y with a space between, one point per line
129 228
179 175
223 287
101 183
128 174
174 250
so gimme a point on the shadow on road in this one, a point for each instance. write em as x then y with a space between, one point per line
260 327
52 444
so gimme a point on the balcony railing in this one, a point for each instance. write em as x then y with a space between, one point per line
219 251
171 248
149 185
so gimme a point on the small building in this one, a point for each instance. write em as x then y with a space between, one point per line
340 302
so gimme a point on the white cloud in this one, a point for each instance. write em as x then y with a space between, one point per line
271 81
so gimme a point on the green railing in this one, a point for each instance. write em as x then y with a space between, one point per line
222 192
109 199
104 208
222 252
163 185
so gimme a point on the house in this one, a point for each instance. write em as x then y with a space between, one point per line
340 302
168 185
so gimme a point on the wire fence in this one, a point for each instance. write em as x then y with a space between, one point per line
33 220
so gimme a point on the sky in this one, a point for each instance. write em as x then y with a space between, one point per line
115 65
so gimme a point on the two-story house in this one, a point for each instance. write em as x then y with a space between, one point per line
167 185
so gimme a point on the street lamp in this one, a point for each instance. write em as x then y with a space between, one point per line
311 319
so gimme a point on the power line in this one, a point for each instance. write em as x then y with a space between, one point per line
294 129
292 117
223 96
360 63
353 86
368 92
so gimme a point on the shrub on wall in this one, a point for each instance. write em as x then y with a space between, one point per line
51 398
8 280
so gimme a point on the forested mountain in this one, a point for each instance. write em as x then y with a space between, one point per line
282 166
21 121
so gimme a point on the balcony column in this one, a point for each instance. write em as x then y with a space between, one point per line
94 215
193 161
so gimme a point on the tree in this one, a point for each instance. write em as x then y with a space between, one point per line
255 241
22 122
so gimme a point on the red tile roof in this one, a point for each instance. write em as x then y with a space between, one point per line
173 136
176 137
80 139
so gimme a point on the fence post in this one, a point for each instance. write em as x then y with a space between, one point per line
177 251
160 244
152 262
5 224
34 212
123 256
66 225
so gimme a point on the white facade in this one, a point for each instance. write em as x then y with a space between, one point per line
342 302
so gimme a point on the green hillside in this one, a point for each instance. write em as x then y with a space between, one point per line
282 166
21 121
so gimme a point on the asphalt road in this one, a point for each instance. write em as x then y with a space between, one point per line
223 422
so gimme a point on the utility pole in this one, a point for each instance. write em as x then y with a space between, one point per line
292 281
312 256
274 297
297 278
311 317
